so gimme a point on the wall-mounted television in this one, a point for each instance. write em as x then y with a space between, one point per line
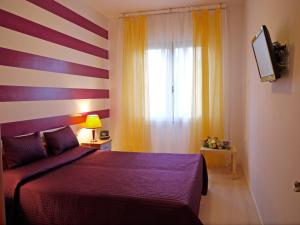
265 56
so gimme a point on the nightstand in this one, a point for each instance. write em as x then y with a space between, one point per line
231 151
102 145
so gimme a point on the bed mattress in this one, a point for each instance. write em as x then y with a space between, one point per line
84 186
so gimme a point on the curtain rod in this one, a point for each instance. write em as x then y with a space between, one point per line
173 10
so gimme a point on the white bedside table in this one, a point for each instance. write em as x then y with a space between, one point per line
233 159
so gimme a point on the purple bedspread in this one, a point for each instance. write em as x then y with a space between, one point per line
83 186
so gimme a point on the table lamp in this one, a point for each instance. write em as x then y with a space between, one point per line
93 122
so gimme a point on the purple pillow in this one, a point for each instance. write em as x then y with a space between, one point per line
23 150
61 140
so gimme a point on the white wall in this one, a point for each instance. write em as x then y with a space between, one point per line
233 74
272 155
116 56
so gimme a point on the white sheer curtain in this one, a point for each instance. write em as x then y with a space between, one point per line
170 71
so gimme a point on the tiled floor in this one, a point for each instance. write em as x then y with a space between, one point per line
228 201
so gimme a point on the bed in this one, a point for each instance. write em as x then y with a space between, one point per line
87 186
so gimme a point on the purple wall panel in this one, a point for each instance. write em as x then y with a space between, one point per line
64 12
25 26
9 57
30 126
21 93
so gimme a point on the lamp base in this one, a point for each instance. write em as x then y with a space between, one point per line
93 133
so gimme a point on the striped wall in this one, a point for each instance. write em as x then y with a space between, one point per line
54 65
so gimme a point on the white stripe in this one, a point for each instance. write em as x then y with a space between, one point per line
25 43
35 78
86 11
27 110
38 15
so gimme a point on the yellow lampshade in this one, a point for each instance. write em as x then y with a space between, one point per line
92 122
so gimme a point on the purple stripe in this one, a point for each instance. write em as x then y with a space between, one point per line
17 23
30 126
21 93
64 12
9 57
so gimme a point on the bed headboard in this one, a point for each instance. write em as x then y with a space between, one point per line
30 126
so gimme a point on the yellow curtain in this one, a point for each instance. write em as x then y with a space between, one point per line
208 84
135 129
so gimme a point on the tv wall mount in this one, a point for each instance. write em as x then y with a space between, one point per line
281 57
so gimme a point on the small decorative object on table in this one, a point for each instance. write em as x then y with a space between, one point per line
104 135
215 143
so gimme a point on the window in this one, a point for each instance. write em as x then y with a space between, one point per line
170 72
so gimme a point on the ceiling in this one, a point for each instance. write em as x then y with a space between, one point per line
114 8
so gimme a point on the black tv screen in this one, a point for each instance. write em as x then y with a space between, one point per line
264 54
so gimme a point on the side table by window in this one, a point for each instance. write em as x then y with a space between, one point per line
233 158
